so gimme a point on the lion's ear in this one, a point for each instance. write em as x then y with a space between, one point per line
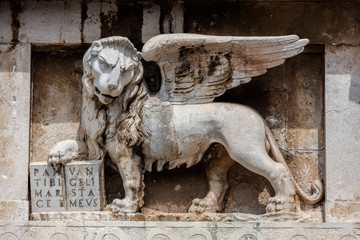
139 55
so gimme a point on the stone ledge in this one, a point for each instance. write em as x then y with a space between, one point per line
14 210
342 211
99 230
152 215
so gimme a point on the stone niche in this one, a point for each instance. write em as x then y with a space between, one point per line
311 103
289 97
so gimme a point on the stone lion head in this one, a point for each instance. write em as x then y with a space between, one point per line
110 65
112 75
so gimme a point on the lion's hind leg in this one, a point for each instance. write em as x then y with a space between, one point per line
216 172
255 158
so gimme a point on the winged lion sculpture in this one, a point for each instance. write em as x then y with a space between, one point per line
137 130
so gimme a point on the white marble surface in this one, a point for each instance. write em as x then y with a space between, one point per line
14 128
63 21
133 230
342 101
151 22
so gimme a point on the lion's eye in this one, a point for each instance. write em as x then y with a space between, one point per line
129 67
103 63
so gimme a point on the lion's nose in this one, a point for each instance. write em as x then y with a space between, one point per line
114 78
113 82
112 85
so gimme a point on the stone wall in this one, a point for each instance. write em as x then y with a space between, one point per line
311 102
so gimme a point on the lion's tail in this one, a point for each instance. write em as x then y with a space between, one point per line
317 189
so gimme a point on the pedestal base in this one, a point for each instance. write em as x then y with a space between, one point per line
14 210
99 230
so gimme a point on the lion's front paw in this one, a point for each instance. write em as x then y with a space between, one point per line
123 206
281 204
64 152
204 205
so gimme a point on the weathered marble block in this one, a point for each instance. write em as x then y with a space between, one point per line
47 188
84 186
78 186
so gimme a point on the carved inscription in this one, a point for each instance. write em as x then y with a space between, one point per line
47 189
78 186
84 186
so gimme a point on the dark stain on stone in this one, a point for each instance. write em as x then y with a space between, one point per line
16 8
182 52
165 12
84 16
103 20
182 70
227 56
126 22
214 62
259 17
186 51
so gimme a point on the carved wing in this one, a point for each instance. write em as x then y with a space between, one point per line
198 68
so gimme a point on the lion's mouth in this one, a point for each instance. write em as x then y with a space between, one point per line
104 98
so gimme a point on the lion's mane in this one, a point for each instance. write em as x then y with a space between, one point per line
100 122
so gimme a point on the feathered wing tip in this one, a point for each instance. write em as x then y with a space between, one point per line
197 68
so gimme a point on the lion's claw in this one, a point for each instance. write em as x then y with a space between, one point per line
122 206
65 151
203 205
59 157
281 204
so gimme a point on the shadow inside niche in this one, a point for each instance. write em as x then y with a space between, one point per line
113 182
172 191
